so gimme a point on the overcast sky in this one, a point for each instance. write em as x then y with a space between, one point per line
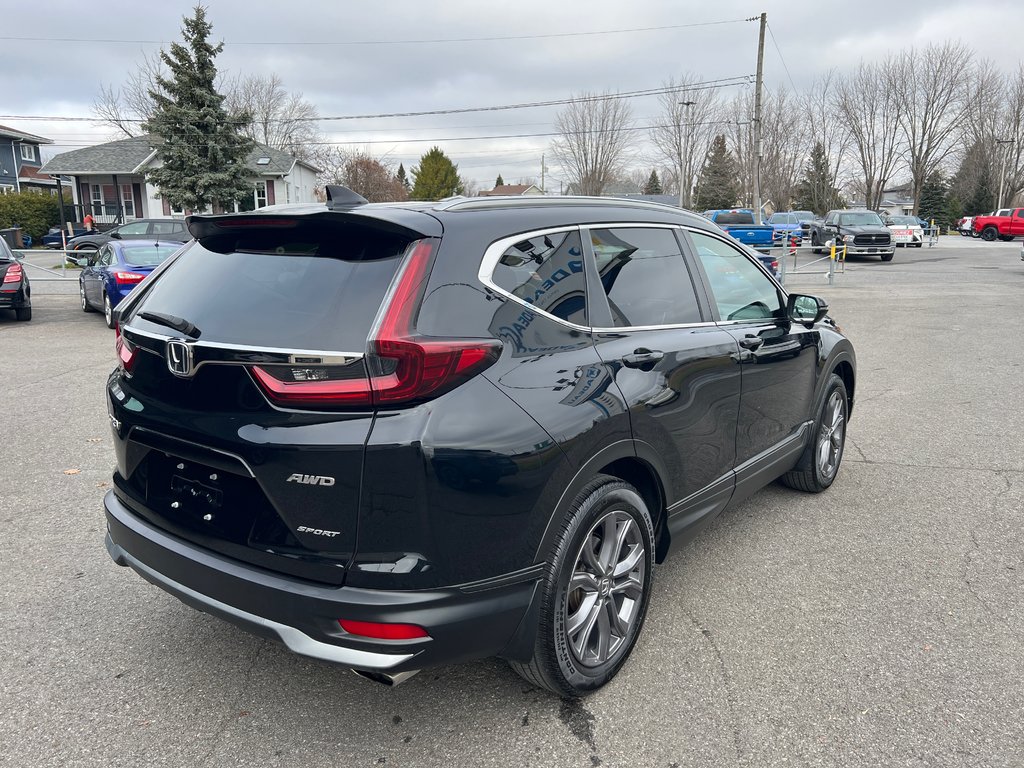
300 41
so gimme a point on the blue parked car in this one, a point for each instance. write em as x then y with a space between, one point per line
52 239
109 274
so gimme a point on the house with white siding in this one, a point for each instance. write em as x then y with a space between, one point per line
109 180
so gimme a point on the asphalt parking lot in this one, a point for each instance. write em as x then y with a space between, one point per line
878 624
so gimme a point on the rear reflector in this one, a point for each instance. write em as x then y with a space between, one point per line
382 631
400 367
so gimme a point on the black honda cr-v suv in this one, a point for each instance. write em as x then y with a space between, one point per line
394 436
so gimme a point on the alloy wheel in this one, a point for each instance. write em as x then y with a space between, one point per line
605 590
108 312
830 436
81 292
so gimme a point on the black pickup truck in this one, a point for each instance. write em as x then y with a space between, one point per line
862 232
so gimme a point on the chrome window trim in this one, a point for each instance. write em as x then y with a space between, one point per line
498 247
490 262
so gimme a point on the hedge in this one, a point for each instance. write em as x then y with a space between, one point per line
33 212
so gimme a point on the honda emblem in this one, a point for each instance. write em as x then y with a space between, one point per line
179 359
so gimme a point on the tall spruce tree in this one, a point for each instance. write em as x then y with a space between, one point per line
653 186
436 177
203 154
402 178
814 191
499 182
718 183
935 200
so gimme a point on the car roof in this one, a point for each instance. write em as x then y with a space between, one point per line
501 212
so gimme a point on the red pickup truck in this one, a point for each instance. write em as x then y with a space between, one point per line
1003 227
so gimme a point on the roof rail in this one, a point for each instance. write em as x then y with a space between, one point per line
538 201
340 198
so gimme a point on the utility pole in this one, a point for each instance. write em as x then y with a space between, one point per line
542 187
1002 169
758 87
684 157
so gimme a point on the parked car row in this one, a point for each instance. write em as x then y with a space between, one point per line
15 291
111 272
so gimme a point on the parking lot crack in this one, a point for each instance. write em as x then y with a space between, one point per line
975 548
730 694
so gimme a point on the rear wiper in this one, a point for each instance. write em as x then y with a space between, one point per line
172 321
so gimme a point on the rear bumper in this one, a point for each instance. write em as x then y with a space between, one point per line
13 299
463 623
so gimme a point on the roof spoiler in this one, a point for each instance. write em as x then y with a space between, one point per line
341 198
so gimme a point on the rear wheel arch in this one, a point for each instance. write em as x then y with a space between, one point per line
642 475
844 370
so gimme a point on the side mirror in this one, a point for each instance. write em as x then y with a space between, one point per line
808 310
115 234
83 262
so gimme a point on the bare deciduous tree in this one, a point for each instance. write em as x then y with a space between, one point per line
593 145
825 124
871 110
277 118
931 105
267 112
685 129
783 147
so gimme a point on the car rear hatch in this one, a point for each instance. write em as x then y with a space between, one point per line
244 395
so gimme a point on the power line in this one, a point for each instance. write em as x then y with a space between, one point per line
438 140
781 57
434 41
723 82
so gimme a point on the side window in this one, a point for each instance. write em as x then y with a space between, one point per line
164 227
644 277
831 218
546 271
138 228
106 256
740 289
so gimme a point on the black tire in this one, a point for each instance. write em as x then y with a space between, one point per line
108 311
570 662
815 245
819 464
887 256
24 314
86 307
988 234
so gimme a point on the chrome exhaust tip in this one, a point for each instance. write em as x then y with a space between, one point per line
385 678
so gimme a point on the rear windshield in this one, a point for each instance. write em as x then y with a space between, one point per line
734 217
309 287
148 255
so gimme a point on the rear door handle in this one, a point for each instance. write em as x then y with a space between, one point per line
751 342
642 357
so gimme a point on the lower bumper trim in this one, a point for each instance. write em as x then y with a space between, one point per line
294 639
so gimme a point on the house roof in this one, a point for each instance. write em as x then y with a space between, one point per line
30 174
510 189
129 155
11 133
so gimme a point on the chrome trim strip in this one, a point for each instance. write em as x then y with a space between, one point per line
679 326
239 354
296 640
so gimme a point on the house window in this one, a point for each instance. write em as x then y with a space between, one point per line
6 189
28 152
261 194
97 199
128 200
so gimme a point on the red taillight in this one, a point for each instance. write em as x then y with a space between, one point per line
381 631
127 278
13 275
126 351
400 366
